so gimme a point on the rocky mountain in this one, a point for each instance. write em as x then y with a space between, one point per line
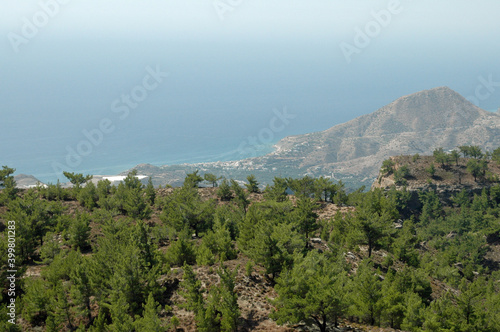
354 151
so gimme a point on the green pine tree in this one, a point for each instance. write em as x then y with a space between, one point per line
314 290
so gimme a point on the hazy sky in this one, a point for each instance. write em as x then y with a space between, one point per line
229 64
262 19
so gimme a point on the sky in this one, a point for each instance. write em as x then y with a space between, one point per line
208 76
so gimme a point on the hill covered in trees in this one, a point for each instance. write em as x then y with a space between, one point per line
466 167
227 257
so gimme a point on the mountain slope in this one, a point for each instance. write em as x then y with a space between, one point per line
417 123
353 151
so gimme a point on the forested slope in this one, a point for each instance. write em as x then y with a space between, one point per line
230 257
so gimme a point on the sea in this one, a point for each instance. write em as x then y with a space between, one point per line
103 108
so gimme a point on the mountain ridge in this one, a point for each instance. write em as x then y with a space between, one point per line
353 151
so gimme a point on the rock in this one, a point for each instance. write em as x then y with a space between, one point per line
315 240
350 255
398 225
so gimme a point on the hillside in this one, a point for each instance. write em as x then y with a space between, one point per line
452 176
132 258
353 151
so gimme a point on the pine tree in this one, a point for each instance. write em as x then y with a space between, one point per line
7 184
77 179
367 293
431 170
88 197
135 204
150 320
241 197
252 185
495 156
392 303
224 192
120 317
455 156
467 302
192 293
212 179
278 191
314 290
62 308
323 187
304 216
387 167
274 245
220 311
192 180
474 168
441 157
304 187
185 208
100 322
82 291
224 299
79 231
150 192
373 220
132 181
181 252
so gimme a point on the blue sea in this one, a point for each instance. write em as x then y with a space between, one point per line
96 107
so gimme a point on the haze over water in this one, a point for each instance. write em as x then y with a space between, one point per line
230 73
